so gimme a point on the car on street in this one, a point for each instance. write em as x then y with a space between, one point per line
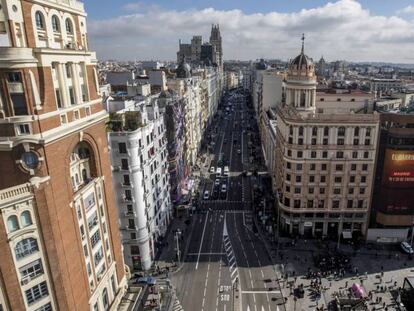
206 195
226 171
238 151
212 170
218 171
406 248
223 188
217 182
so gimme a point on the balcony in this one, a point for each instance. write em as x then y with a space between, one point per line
16 55
15 193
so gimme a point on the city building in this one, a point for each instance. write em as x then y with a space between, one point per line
379 86
393 195
325 158
136 136
59 238
199 53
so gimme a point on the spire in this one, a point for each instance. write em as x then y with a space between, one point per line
303 43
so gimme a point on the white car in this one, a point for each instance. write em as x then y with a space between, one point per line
406 247
212 170
224 188
218 171
206 195
226 171
217 182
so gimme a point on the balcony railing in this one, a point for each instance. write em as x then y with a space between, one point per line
14 193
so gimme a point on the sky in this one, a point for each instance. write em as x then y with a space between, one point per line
365 30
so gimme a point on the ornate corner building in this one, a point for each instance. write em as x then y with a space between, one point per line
59 240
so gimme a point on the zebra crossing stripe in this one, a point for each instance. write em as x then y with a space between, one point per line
177 306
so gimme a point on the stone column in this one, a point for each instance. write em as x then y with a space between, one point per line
75 83
62 85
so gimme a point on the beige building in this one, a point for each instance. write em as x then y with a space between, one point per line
325 155
59 240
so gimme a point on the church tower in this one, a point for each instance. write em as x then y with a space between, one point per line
215 40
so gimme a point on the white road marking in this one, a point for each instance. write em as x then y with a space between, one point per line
196 254
261 292
202 239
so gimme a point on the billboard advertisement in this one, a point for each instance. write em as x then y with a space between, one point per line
397 195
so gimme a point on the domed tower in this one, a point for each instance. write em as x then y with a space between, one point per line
301 82
183 70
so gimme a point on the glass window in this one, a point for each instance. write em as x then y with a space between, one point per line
40 23
46 307
31 270
341 131
55 23
36 293
26 219
26 247
105 300
69 27
12 223
301 131
326 131
356 131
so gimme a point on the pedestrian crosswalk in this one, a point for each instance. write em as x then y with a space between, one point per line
225 205
231 259
177 306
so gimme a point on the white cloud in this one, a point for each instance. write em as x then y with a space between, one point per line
407 10
339 30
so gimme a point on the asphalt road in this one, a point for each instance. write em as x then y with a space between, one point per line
224 253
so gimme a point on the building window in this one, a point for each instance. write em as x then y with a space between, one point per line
323 178
296 203
341 131
312 178
46 307
301 131
76 114
25 248
354 154
312 167
339 167
58 98
122 148
321 190
23 129
298 178
363 179
356 141
55 24
26 219
367 142
311 190
321 204
288 165
313 141
340 155
131 224
335 204
300 154
366 154
340 142
88 111
127 181
69 26
291 130
288 177
364 167
352 179
300 141
353 167
356 131
40 21
325 154
351 191
30 271
124 164
133 236
338 179
36 293
113 285
12 223
368 132
63 118
290 141
297 190
323 167
314 131
299 166
326 131
105 299
313 154
325 141
360 203
361 190
72 96
337 191
350 204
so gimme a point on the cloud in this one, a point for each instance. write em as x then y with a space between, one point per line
338 30
407 10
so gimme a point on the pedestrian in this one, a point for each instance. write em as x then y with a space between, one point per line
346 284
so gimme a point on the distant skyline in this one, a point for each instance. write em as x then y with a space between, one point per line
361 31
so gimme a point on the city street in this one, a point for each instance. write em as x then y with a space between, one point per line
227 266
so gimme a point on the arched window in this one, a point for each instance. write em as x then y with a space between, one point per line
26 219
341 131
25 248
105 299
301 131
69 26
12 223
40 22
55 23
314 131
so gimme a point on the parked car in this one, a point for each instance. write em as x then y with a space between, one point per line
212 170
226 171
217 182
238 151
406 248
206 195
218 171
223 188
